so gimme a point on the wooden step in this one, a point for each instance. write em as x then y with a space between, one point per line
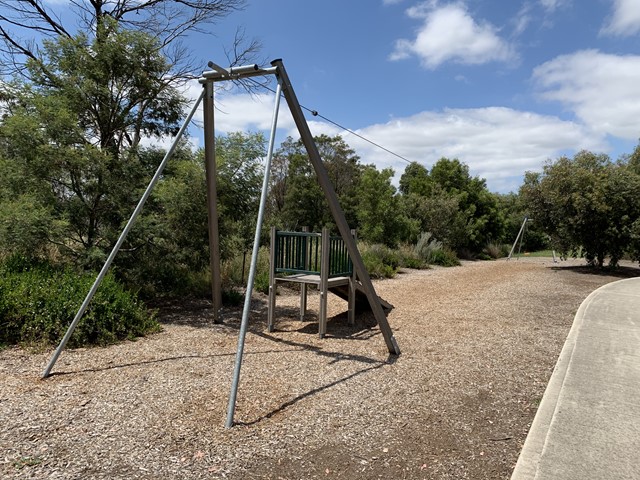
362 303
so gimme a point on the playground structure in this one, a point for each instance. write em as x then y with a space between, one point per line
310 259
358 270
319 259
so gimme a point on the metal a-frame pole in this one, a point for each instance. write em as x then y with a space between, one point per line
252 269
121 239
334 206
520 233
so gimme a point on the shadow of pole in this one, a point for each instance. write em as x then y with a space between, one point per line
315 391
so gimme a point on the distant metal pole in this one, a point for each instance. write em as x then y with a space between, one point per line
522 238
517 237
252 269
120 241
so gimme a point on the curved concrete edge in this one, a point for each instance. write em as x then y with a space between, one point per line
528 466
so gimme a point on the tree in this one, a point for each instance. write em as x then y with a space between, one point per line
454 207
74 133
513 209
379 213
171 235
240 172
296 197
415 180
633 161
24 22
436 213
588 205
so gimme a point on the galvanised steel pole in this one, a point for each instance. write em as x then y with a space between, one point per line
254 261
120 241
524 222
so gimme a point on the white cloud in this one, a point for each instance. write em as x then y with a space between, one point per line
602 89
522 19
497 143
625 19
552 5
249 112
233 113
450 33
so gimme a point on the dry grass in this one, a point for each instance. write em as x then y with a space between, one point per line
479 343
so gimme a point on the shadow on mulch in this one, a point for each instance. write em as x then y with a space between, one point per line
198 313
621 272
162 360
313 392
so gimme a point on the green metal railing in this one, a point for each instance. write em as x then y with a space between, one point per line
301 253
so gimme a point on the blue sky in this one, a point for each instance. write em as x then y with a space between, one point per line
500 85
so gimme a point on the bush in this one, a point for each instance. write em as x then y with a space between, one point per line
232 272
496 250
38 303
426 246
492 250
409 258
432 252
379 260
445 257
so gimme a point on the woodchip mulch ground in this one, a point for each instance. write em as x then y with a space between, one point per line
479 343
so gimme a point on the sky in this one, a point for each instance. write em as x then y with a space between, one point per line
503 86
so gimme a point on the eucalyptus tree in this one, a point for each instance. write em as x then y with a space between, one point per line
587 204
380 217
88 87
24 24
455 207
75 129
297 199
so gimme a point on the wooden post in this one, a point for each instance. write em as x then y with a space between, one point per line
272 281
303 286
324 281
352 290
334 206
212 201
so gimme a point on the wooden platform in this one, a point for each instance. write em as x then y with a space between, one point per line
313 280
297 257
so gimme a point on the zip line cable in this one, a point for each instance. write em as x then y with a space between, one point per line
316 114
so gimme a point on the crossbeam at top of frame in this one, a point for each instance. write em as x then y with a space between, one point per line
218 73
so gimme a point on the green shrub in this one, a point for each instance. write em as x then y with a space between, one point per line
38 303
425 247
261 282
409 258
232 271
445 257
432 252
495 250
379 260
232 297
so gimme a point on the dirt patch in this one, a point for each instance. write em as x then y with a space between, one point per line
479 343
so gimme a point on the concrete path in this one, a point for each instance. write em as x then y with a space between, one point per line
588 423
